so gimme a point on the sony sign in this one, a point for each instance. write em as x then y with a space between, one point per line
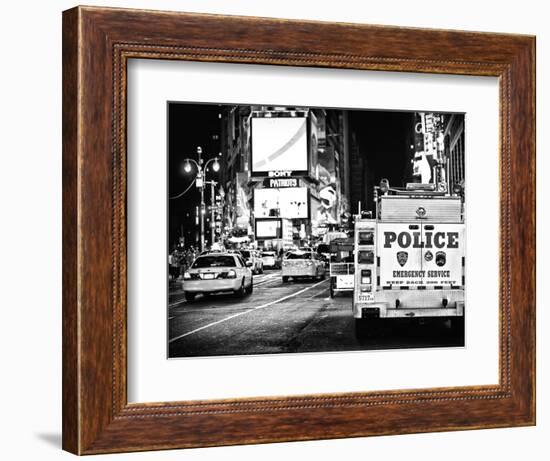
280 173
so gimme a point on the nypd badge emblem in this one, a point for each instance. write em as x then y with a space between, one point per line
440 258
421 212
402 257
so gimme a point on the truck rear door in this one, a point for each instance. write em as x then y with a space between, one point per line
420 254
399 248
442 254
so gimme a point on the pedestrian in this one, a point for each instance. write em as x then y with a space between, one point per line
181 262
189 257
170 259
173 261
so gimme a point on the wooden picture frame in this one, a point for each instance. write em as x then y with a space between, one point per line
97 42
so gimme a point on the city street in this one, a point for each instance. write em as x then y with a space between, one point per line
286 318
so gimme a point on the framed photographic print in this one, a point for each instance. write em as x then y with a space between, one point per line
284 230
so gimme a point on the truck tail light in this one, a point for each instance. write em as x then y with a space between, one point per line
366 277
366 237
366 257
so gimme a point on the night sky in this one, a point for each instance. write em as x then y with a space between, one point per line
189 126
384 137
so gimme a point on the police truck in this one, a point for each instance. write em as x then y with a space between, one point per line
409 258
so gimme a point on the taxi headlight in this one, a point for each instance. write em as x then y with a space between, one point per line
231 274
186 276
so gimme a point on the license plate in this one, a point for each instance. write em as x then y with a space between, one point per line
366 297
207 276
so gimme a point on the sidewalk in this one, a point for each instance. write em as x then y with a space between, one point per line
175 285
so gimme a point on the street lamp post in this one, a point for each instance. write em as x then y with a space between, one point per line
200 182
212 213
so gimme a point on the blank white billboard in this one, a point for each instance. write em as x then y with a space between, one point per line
268 228
290 202
279 144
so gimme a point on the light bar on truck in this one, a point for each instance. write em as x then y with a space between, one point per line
420 186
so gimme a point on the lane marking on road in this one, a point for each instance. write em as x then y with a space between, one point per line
260 279
317 294
176 303
265 282
266 276
252 309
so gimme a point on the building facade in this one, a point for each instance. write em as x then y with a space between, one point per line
439 149
286 163
454 136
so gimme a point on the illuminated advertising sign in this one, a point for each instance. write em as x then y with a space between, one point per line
241 210
279 183
268 228
289 202
279 144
